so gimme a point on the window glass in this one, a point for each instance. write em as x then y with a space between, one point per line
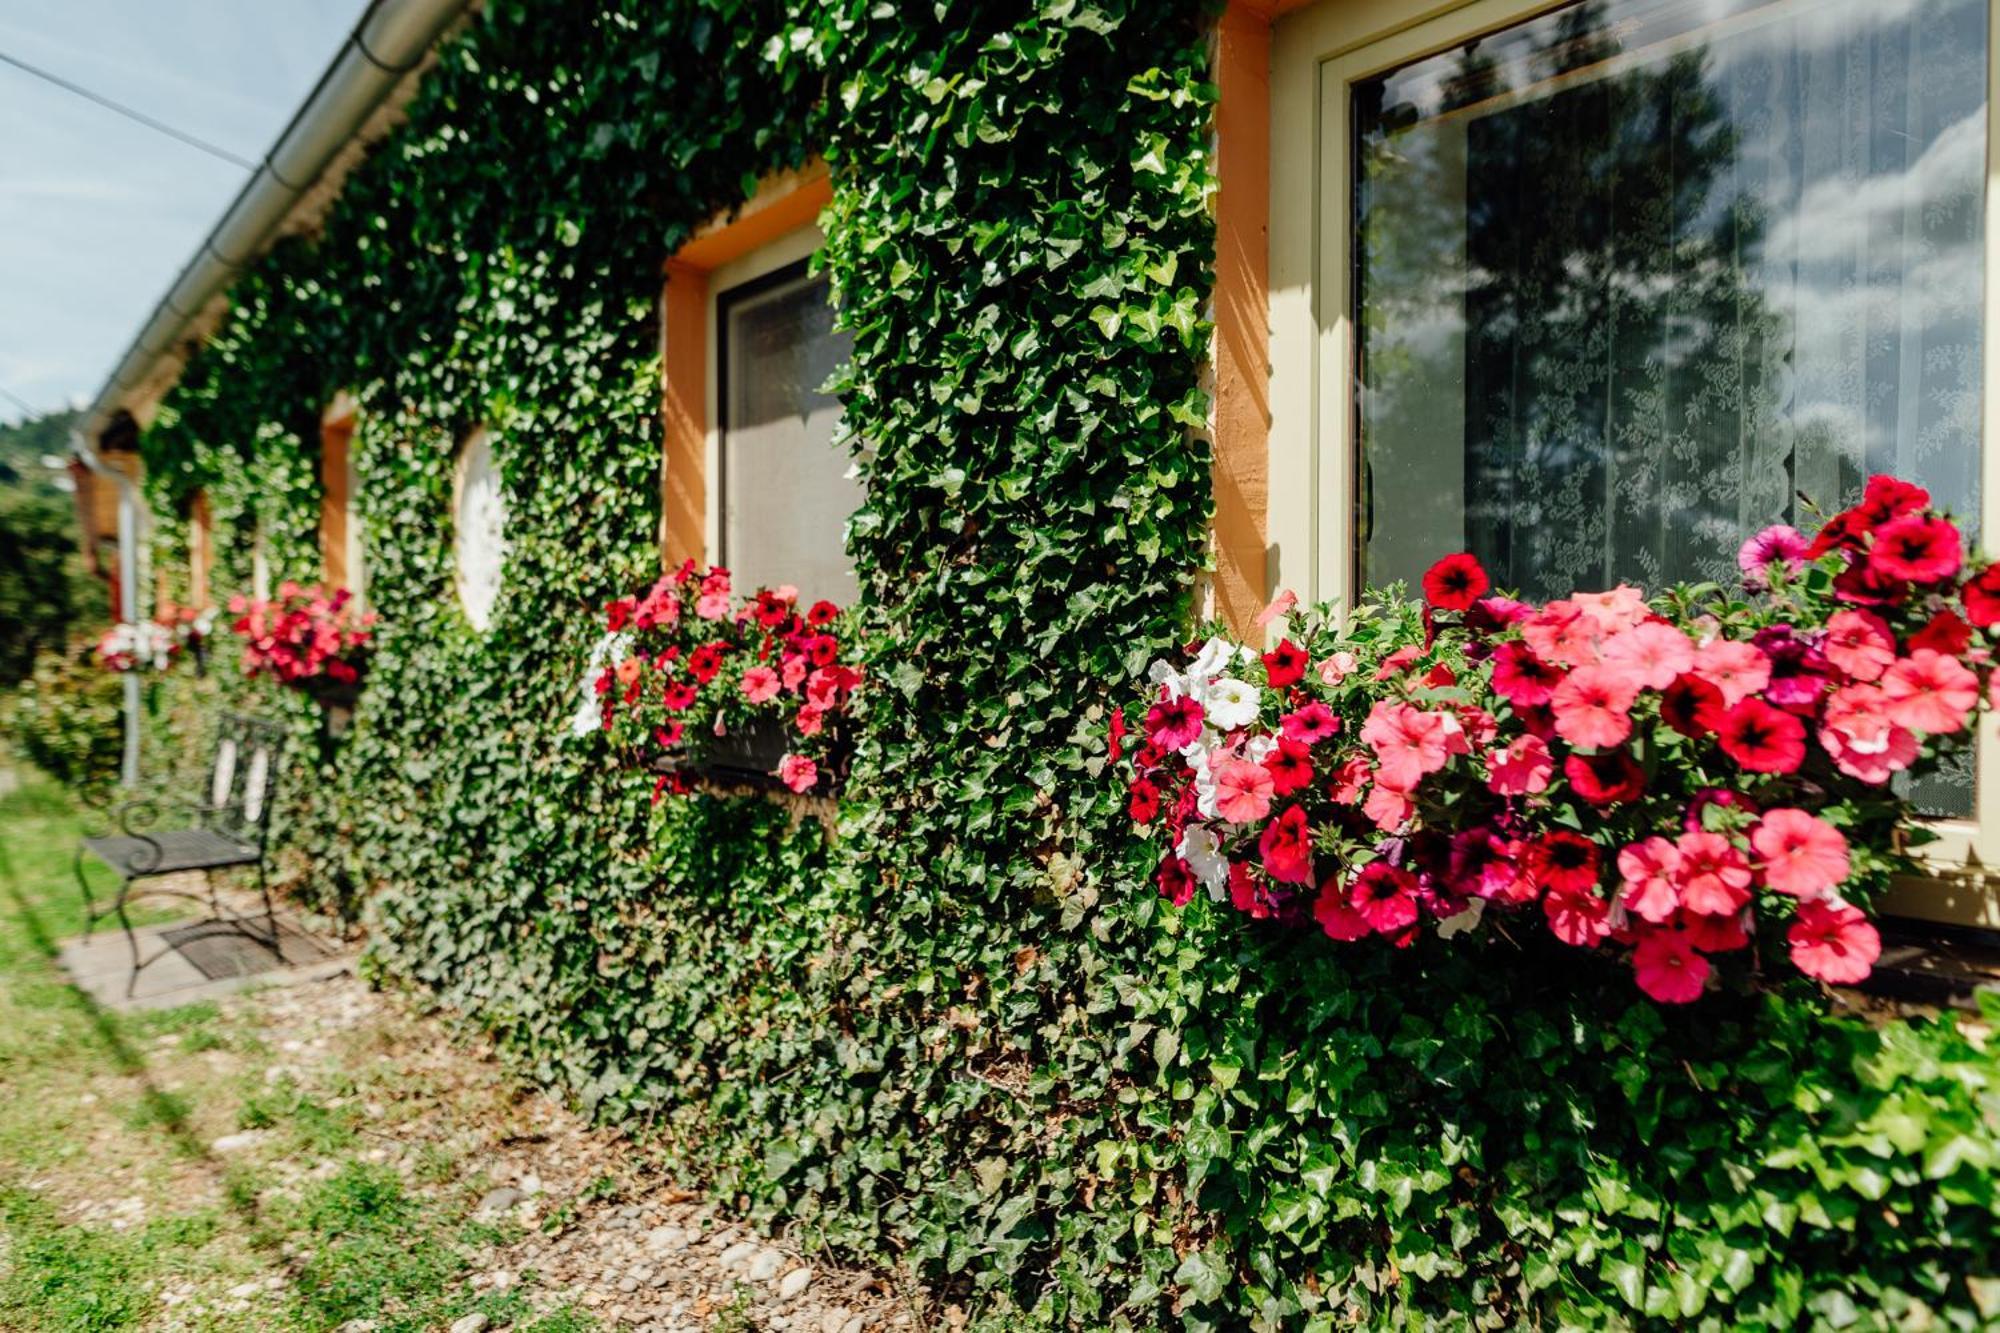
785 494
1634 275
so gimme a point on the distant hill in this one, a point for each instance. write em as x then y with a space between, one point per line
46 596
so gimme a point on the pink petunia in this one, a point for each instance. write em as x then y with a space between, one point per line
760 684
1408 743
1523 768
1863 742
1174 724
1388 807
1712 876
1649 870
1834 942
1929 692
1859 644
798 772
1802 854
1561 633
1666 966
1577 916
1592 706
1242 790
1737 669
1651 653
1613 611
811 720
1338 668
1310 724
1280 606
1777 544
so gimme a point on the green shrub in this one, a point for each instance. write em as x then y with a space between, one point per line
67 718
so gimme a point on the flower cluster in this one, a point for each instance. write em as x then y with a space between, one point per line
1672 779
145 646
304 636
685 670
191 626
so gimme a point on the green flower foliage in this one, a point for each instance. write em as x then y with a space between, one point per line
963 1034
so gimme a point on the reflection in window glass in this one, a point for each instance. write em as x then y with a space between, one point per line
786 497
1634 275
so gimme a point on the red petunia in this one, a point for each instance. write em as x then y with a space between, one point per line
1919 549
1522 678
1117 734
1285 665
1691 706
1385 896
1761 738
1885 498
1175 879
1944 633
705 661
1982 598
1455 582
1144 802
1286 847
1605 778
677 695
822 614
1563 861
1335 916
1290 767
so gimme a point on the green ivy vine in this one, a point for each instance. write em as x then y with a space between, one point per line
962 1035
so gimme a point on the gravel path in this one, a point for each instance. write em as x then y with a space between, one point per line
578 1215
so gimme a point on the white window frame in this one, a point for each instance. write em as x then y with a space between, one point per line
1317 54
786 250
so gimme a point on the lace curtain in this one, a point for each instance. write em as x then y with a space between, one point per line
1634 276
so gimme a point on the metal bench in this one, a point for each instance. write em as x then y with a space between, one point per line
226 829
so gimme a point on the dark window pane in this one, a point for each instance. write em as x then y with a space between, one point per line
786 498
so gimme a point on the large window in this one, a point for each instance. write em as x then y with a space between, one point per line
1634 276
783 489
1595 290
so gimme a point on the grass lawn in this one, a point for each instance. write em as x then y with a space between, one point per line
327 1202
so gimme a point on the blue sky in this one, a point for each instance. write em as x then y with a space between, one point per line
97 214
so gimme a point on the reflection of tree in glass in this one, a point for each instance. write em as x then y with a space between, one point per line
1621 377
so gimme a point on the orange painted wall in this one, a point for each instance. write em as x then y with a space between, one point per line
335 439
1242 472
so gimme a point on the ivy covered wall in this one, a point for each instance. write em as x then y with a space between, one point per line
964 1035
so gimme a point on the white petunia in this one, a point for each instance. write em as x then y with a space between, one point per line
1204 857
1231 703
610 651
1461 922
1204 782
1211 661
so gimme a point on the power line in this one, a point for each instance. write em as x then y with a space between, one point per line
127 112
18 401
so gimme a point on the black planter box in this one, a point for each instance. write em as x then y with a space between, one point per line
749 758
336 700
